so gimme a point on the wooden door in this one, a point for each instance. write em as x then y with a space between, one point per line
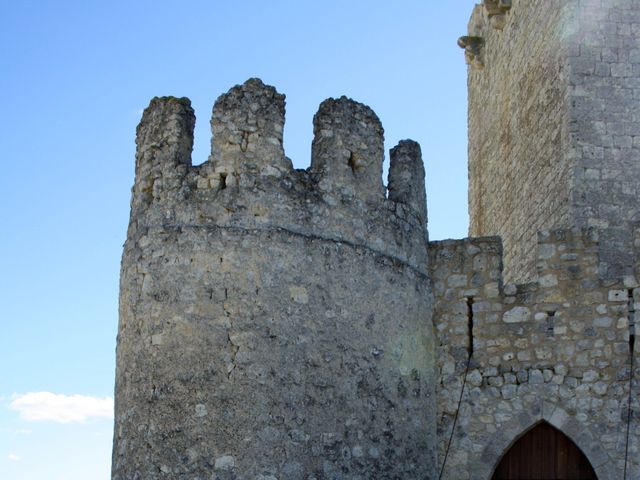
544 453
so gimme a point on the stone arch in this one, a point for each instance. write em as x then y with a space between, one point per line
543 451
556 416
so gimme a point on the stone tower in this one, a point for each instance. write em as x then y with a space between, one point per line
274 323
536 324
554 131
281 324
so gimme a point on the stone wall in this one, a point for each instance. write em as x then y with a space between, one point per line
274 323
554 350
518 117
554 134
604 100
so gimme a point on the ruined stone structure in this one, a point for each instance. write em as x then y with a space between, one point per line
282 324
275 323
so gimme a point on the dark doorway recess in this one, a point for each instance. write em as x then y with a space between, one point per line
544 453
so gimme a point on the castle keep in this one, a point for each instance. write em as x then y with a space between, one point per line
554 132
283 324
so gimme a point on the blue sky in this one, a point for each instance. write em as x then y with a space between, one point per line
75 76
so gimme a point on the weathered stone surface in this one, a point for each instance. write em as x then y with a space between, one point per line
247 125
516 315
348 149
545 358
406 177
552 127
276 325
517 133
288 324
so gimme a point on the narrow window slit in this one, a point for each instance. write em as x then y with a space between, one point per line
470 325
631 320
355 163
223 181
550 330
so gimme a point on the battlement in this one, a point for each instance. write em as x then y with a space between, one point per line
248 181
348 149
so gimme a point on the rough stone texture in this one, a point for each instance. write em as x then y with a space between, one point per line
553 102
279 324
348 148
604 128
518 171
274 324
553 129
247 125
555 350
406 178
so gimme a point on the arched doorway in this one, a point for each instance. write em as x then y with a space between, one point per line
544 453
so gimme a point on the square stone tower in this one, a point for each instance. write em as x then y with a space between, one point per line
554 125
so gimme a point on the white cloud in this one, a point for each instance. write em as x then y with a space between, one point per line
13 457
47 406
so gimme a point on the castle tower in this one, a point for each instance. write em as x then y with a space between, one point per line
536 326
274 323
554 131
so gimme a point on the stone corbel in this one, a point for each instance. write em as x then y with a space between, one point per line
496 11
473 49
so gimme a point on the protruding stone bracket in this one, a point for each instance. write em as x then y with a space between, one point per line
496 11
473 49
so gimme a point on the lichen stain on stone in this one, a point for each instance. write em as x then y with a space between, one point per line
410 353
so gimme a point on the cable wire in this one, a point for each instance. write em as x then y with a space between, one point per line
455 418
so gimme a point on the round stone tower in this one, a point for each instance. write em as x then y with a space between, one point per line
274 323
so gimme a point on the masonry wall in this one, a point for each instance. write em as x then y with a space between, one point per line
518 117
554 350
274 323
554 92
604 91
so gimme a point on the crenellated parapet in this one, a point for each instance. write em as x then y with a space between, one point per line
248 181
274 323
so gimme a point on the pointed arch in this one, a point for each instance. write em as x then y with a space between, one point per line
557 417
543 451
